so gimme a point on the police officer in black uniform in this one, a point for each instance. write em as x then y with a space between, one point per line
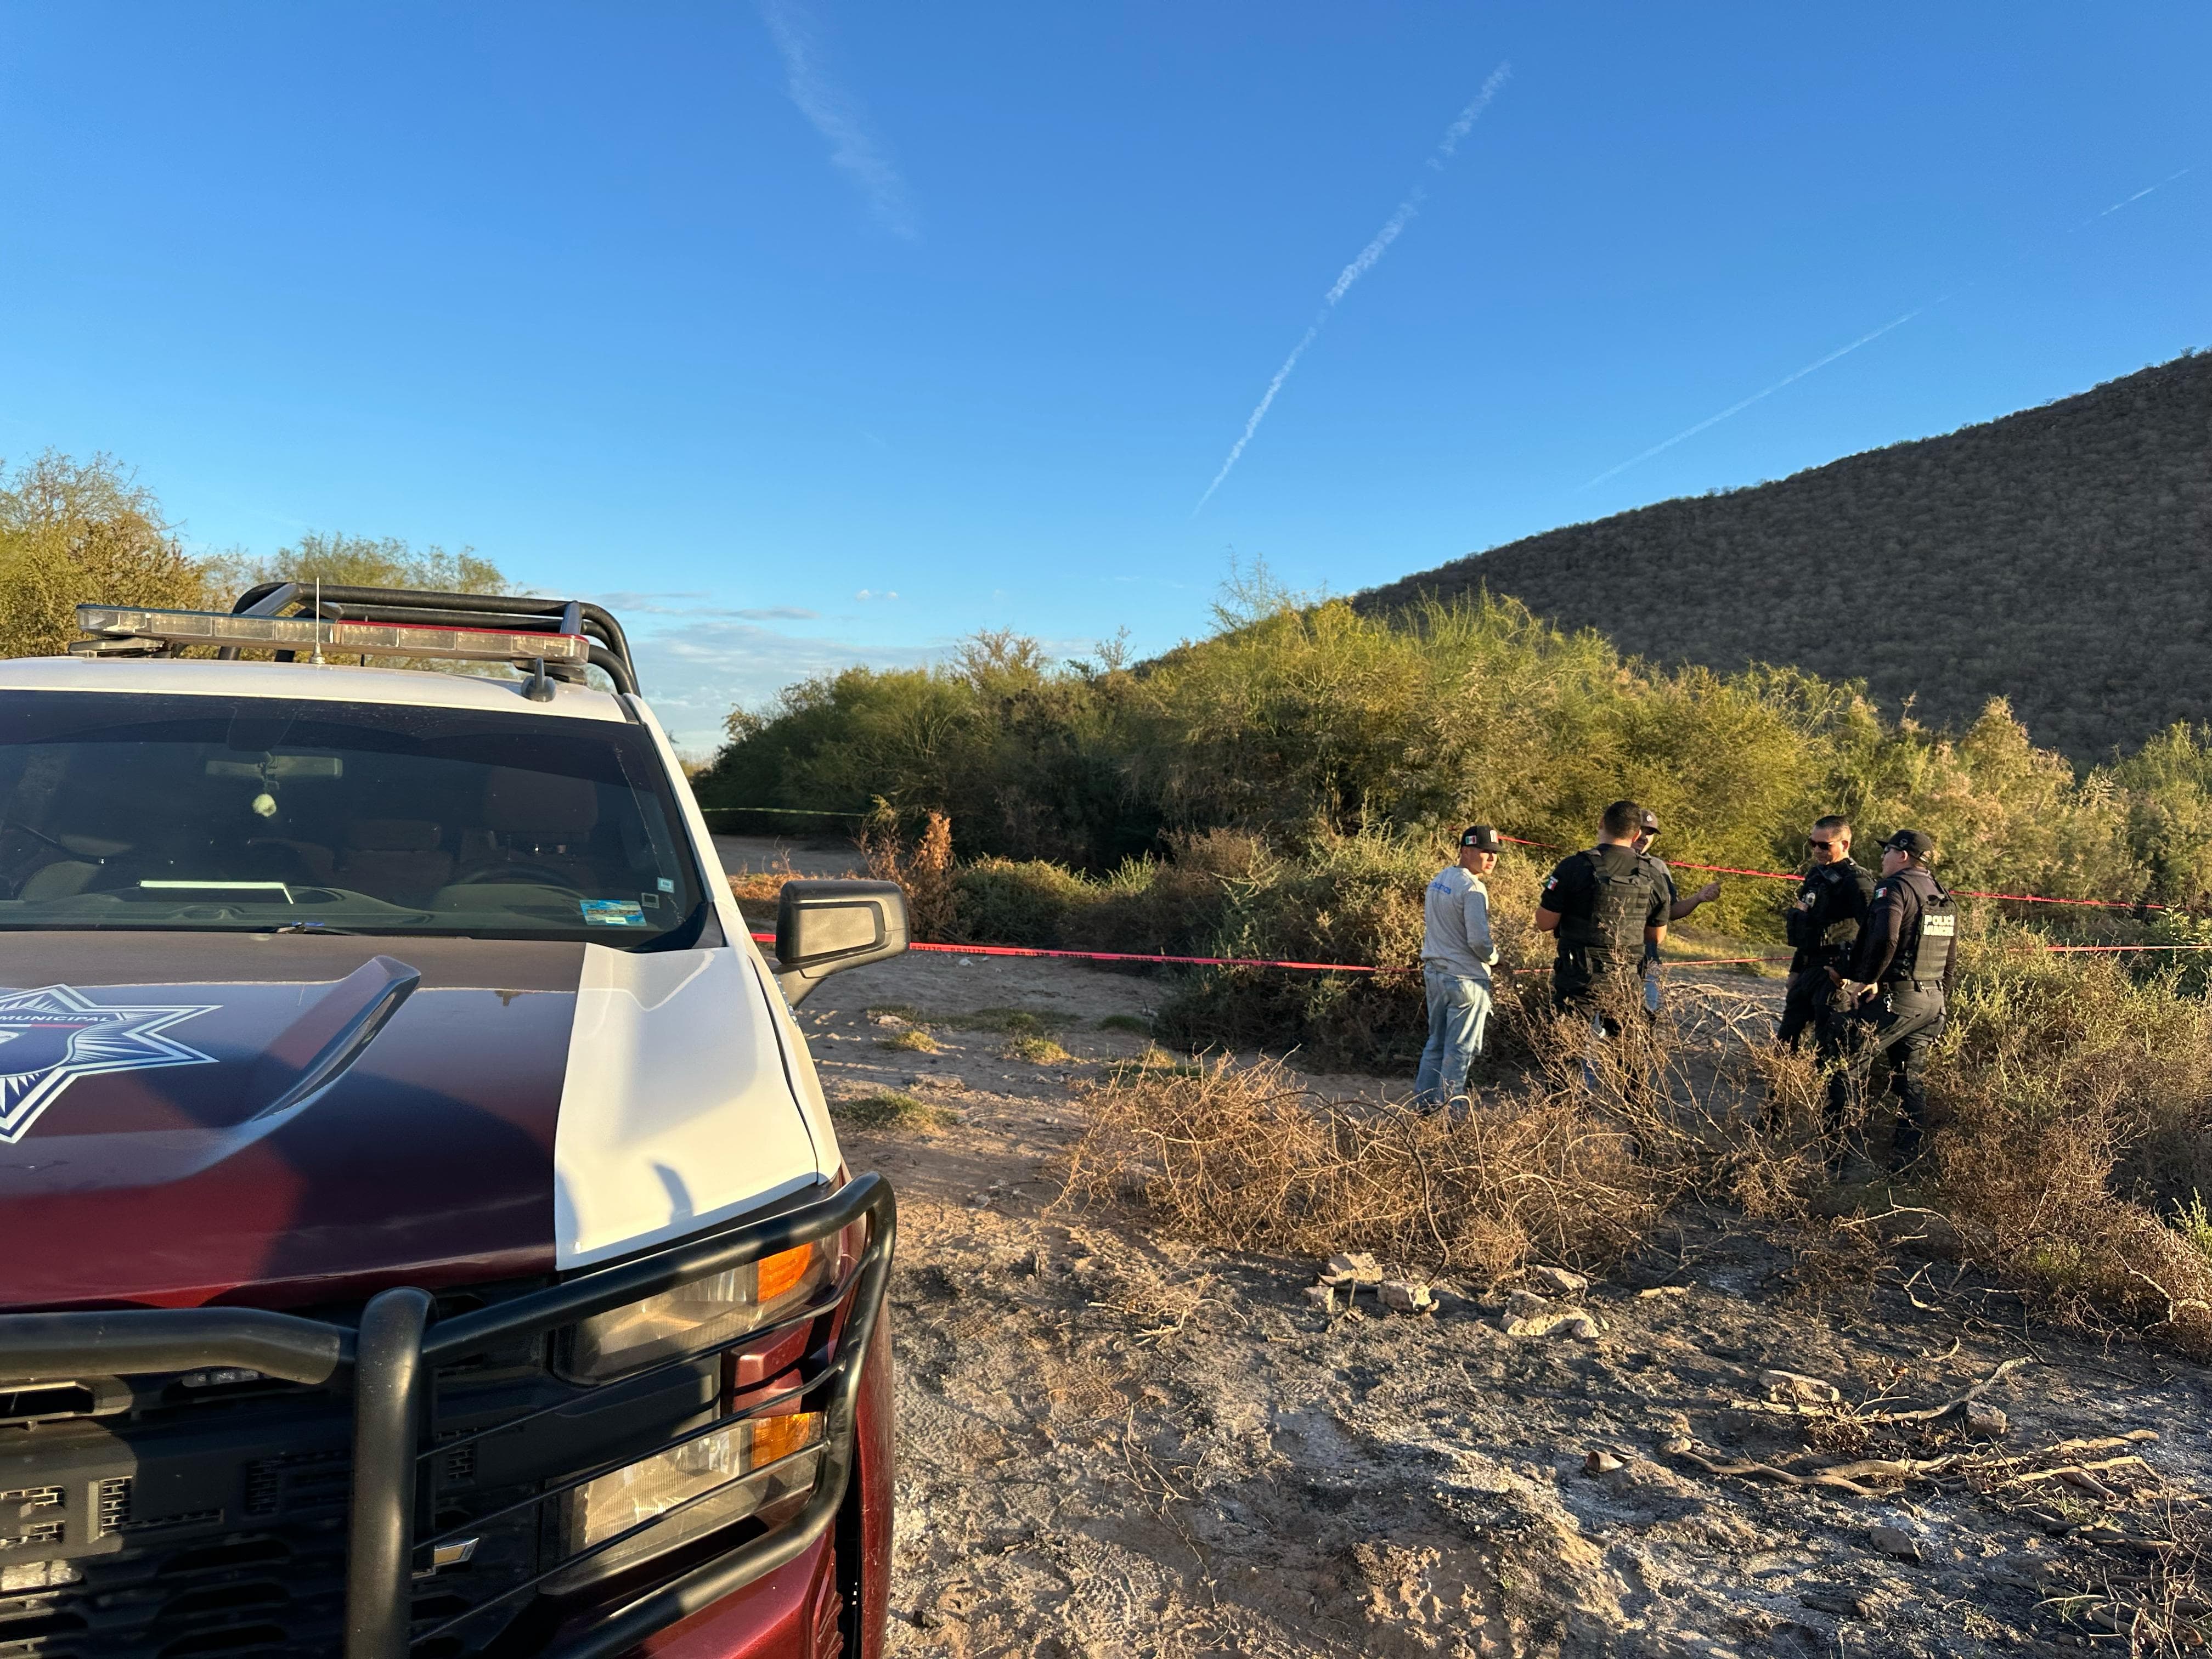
1823 929
1900 980
1604 905
1677 907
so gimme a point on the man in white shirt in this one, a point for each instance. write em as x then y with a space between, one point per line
1456 954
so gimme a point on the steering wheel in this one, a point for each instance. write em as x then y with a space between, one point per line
9 878
519 875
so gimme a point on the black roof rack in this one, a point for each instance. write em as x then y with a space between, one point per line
609 650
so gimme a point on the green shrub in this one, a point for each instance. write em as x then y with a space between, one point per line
891 1110
73 533
1351 899
1004 901
1154 1064
1295 723
2193 1223
1011 1022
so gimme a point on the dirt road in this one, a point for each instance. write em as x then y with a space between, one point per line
1113 1444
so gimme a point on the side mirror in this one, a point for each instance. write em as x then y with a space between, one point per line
823 927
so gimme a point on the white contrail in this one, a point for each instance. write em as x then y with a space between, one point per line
838 119
1467 116
1364 262
1738 409
1844 351
1261 413
2137 197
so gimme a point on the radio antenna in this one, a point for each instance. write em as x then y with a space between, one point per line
317 656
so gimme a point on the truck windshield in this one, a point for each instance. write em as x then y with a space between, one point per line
250 814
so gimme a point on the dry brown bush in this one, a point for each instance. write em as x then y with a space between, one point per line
1568 1165
763 888
925 869
2076 1107
1246 1157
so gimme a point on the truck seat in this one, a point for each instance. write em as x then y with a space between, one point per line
396 859
538 821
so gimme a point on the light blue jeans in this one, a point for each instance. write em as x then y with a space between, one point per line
1458 1008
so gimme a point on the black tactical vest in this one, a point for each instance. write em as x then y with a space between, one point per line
1621 902
1802 926
1928 936
1824 923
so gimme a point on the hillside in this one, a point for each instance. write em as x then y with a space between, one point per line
2061 557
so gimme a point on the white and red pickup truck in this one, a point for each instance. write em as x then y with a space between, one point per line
422 1231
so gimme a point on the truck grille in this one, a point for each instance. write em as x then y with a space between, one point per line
206 1512
217 1528
23 1511
189 1585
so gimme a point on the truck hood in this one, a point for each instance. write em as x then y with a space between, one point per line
280 1121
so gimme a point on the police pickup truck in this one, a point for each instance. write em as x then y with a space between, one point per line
422 1231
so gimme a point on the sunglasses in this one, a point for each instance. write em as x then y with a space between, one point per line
1810 842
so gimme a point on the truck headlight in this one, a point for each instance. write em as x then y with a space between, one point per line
722 1477
703 1314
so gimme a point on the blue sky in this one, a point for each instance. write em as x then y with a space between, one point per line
756 315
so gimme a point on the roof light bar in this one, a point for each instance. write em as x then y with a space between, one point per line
128 629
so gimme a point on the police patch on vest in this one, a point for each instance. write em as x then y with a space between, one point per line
1939 926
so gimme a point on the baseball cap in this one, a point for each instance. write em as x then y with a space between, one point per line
1482 838
1910 841
1650 821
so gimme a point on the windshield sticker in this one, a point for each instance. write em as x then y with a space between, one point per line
51 1038
612 913
667 884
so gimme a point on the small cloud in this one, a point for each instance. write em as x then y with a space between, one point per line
697 671
871 593
685 603
681 603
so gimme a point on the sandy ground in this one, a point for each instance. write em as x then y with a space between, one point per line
1115 1444
823 855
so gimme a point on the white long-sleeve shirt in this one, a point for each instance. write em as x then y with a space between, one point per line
1457 936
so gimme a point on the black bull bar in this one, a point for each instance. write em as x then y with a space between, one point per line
394 1355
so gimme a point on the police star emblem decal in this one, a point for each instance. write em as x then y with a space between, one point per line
53 1036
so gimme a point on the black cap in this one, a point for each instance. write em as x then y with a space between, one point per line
1650 821
1910 841
1482 838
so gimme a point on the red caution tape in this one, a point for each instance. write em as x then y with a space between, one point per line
1364 968
1136 956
